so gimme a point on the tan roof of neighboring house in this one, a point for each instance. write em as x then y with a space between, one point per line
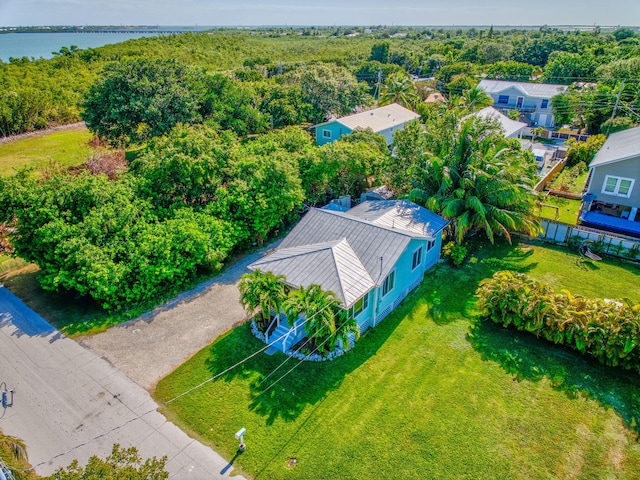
379 119
435 98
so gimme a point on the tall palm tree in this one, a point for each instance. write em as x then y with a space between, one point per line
398 88
13 452
475 99
480 181
326 322
265 292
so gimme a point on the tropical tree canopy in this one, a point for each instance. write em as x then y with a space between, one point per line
13 452
122 463
399 88
139 99
468 172
326 323
475 99
263 292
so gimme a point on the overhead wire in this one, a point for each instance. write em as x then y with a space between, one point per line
176 397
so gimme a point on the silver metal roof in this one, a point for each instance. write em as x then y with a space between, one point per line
618 147
536 90
351 252
332 265
400 215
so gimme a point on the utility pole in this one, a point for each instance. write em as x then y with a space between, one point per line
376 95
615 107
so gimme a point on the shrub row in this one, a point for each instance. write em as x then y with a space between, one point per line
608 330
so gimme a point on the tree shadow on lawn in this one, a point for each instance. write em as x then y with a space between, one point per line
529 358
450 291
281 386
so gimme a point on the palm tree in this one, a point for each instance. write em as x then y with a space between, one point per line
475 99
478 180
13 452
326 323
398 88
263 291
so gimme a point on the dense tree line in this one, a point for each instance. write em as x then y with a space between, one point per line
269 75
188 200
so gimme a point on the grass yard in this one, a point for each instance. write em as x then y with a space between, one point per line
567 209
432 392
66 147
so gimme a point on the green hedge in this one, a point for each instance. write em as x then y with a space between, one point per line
607 330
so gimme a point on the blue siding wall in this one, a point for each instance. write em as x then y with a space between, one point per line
335 129
531 107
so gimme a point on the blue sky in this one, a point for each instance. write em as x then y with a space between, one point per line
324 12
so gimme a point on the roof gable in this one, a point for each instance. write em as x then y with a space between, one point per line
332 265
618 147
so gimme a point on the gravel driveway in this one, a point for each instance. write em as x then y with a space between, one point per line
152 346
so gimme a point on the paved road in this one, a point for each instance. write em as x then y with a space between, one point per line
72 403
152 346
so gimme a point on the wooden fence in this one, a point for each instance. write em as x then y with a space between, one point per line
601 241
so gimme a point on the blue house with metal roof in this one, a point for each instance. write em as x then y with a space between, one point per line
383 120
612 199
370 256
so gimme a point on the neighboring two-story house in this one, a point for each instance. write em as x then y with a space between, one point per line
384 120
531 99
370 256
612 199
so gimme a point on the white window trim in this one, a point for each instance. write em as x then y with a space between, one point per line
618 181
325 132
413 269
393 272
365 306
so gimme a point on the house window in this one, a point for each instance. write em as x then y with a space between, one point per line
544 104
417 259
360 305
326 133
503 99
389 283
431 244
618 186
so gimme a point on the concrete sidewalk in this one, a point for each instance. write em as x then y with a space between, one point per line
70 403
152 346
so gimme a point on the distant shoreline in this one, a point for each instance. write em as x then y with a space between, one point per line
202 28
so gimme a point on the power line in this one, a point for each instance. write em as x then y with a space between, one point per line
186 392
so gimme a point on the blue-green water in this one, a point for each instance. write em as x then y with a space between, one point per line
38 45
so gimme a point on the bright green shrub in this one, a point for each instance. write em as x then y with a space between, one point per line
607 330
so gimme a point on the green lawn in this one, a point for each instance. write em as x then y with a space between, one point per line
432 392
66 147
567 209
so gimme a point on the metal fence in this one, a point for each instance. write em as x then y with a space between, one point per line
605 242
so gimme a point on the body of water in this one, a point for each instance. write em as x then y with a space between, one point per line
38 45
